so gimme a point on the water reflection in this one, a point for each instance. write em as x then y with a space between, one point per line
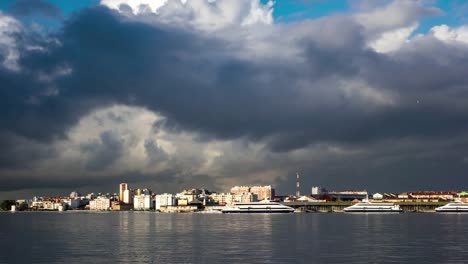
201 238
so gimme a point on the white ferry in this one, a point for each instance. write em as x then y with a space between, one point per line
453 207
258 207
366 207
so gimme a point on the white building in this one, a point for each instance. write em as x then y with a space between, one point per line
164 200
262 192
188 196
127 196
306 199
317 190
74 194
142 202
377 196
229 198
100 203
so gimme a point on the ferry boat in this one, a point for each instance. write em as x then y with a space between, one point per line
366 207
265 206
453 207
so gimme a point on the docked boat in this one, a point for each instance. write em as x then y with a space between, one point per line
453 207
258 207
367 207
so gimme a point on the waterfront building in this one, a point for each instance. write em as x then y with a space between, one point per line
115 205
164 200
127 196
306 199
100 203
431 195
463 196
122 188
390 196
189 197
138 192
240 189
48 205
74 194
262 192
403 196
377 196
229 198
317 190
348 195
182 202
142 202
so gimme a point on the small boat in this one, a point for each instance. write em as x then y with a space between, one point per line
265 206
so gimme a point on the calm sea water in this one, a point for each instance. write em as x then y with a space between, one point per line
125 237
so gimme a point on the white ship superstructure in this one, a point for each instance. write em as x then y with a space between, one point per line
366 207
453 207
258 207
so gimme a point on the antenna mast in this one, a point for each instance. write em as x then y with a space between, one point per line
298 189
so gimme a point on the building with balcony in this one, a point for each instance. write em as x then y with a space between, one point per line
229 198
164 200
100 203
142 202
262 192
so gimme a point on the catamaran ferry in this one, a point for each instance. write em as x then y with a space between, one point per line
365 206
258 207
453 207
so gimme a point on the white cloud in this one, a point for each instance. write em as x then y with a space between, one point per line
205 15
388 27
396 14
259 13
447 34
136 5
8 27
225 162
392 40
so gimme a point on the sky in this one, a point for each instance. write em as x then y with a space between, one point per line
174 94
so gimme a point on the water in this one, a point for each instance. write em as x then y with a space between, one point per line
83 237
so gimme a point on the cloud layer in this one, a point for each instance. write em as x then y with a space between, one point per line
215 93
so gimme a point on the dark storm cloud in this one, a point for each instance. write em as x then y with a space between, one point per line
199 84
101 183
33 7
154 152
114 60
20 153
104 153
164 181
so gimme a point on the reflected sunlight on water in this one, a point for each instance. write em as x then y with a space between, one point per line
81 237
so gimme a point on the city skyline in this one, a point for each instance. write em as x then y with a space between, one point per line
177 94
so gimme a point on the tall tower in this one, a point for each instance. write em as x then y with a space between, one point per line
123 187
298 188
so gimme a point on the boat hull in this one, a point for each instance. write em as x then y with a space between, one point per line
372 211
259 211
264 207
451 210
